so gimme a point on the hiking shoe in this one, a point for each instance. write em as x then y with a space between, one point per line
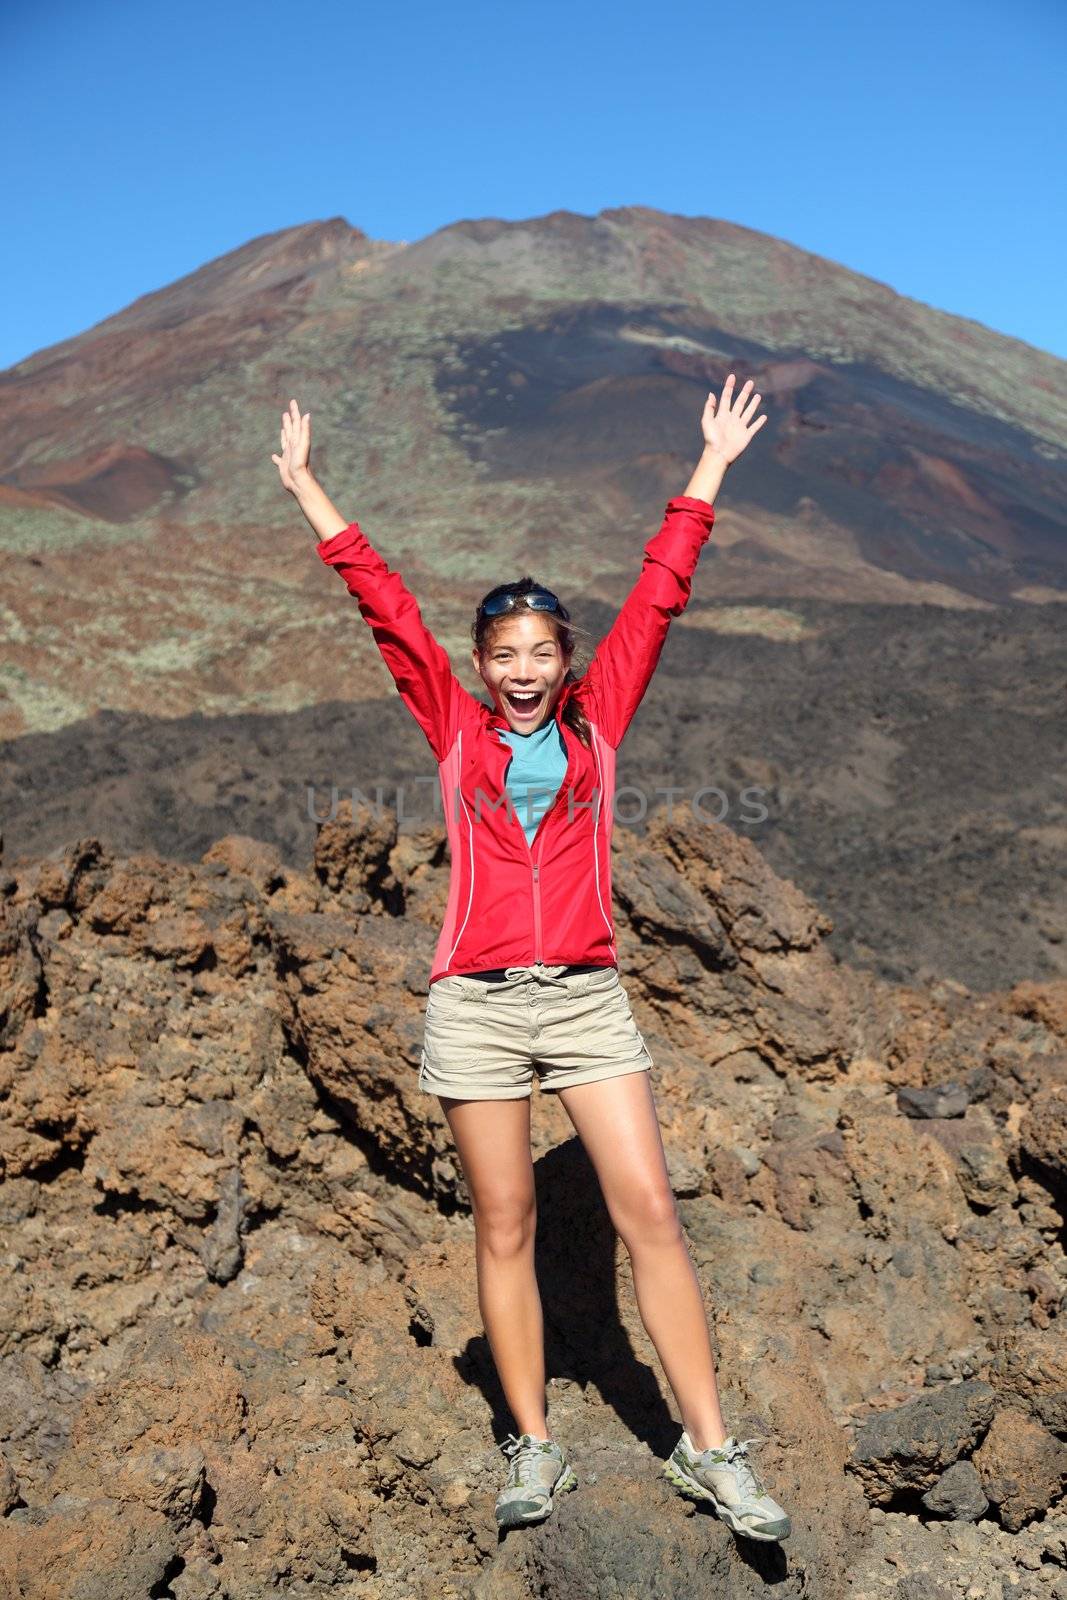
538 1469
724 1476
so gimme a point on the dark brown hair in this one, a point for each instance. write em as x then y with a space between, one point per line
483 630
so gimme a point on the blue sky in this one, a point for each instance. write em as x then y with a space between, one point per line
918 142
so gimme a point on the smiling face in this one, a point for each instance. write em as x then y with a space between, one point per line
523 660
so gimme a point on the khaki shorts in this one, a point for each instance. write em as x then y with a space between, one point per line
484 1040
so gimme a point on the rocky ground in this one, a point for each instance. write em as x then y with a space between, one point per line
241 1351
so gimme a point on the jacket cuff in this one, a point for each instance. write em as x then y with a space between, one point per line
340 541
688 502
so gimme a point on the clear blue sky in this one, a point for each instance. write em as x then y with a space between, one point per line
918 142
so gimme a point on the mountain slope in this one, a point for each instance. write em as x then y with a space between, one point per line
507 396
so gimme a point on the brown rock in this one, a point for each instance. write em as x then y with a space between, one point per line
1022 1466
123 901
183 939
1029 1369
1043 1133
1045 1001
93 1547
732 954
975 1143
20 970
811 1171
70 877
900 1169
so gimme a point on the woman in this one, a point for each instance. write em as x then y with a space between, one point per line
525 973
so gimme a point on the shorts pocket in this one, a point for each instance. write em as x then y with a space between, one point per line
446 994
445 1021
453 984
601 982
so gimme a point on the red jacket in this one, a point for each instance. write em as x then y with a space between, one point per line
510 904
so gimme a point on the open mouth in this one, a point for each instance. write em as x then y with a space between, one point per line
524 705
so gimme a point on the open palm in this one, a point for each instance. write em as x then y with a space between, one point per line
296 445
727 422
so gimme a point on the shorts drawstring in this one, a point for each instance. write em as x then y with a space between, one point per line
543 974
514 977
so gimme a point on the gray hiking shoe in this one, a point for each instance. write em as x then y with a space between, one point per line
538 1469
724 1477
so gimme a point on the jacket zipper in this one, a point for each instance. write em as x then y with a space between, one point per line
539 953
535 866
535 870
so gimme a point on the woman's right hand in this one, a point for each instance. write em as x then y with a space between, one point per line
292 464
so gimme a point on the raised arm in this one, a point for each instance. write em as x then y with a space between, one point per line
627 656
420 666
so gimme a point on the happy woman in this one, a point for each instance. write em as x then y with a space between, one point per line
525 975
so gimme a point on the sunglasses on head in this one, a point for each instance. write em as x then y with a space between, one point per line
536 599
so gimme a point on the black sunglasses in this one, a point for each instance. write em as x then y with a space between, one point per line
536 599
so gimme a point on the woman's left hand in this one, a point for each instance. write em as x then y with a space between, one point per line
727 423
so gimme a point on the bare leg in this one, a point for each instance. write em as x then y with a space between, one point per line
617 1123
492 1139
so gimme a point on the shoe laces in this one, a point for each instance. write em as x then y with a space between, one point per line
747 1480
522 1454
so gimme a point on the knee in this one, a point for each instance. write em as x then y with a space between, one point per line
505 1224
650 1219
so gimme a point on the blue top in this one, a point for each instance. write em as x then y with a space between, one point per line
535 772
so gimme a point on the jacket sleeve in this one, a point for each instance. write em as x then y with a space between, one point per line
420 665
626 658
